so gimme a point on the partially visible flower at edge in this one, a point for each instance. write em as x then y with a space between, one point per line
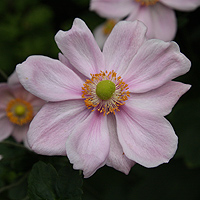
106 107
102 31
157 15
17 109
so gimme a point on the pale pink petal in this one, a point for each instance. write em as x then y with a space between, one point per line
25 142
2 112
122 44
88 145
160 20
155 64
49 79
66 62
20 132
182 5
52 125
99 36
13 79
116 157
112 8
6 127
147 139
80 48
19 92
5 95
159 101
37 105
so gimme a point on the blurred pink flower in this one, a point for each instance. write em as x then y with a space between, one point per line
17 109
102 31
157 15
106 107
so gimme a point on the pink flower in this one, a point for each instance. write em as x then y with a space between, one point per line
157 15
106 107
102 31
17 109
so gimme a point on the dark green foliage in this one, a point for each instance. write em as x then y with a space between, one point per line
43 177
16 157
186 123
166 182
41 182
25 29
47 183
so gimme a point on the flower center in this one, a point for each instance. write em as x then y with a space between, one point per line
108 26
105 92
19 111
147 2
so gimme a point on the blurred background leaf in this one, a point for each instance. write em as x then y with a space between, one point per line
25 29
47 183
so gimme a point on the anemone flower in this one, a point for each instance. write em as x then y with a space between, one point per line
106 107
17 109
157 15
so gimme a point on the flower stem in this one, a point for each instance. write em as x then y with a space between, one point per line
14 184
3 74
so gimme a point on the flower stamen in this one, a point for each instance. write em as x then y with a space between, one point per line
19 111
108 26
105 92
147 2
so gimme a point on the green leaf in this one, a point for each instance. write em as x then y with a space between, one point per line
19 190
38 17
46 183
69 184
16 156
41 182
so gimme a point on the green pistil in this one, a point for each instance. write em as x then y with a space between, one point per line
105 89
19 110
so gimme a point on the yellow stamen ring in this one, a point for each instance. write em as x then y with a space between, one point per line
147 2
108 101
19 111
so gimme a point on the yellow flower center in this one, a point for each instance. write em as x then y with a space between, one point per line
105 92
108 26
19 111
147 2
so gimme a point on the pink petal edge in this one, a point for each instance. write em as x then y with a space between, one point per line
50 128
80 48
88 145
49 79
147 139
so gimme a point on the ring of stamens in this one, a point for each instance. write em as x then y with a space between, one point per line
117 99
147 2
19 111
